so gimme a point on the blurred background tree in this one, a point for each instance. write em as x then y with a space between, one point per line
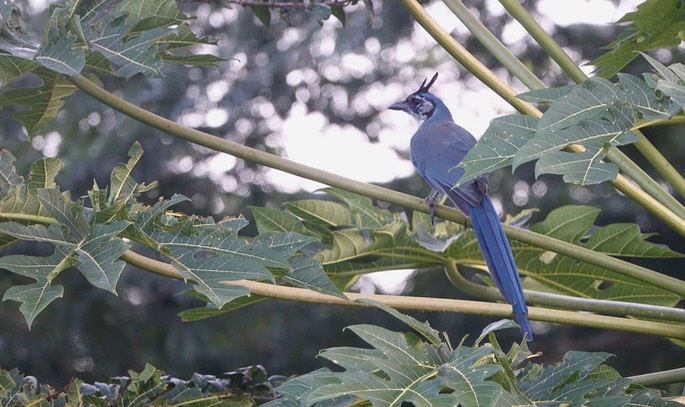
294 88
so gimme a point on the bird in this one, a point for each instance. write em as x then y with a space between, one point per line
437 147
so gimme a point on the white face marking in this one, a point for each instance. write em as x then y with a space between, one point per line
421 108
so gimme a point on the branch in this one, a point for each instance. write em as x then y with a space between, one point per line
429 303
287 5
387 195
558 301
485 75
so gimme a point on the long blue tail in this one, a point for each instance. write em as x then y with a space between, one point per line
497 253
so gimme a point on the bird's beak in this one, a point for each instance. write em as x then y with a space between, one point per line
398 106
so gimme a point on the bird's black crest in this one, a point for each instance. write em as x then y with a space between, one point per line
424 87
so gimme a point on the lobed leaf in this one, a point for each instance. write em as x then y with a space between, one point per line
43 102
655 24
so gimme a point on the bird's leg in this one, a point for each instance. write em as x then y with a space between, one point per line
432 200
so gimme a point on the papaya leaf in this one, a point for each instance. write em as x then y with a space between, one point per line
36 296
308 273
400 368
569 381
276 220
503 138
546 95
13 67
21 199
424 328
208 254
391 247
365 214
59 54
209 311
595 114
99 255
671 80
330 214
130 54
655 24
8 174
43 102
263 14
565 275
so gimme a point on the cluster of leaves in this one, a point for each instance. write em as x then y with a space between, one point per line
115 38
655 24
321 10
315 244
150 387
422 369
364 238
595 115
91 239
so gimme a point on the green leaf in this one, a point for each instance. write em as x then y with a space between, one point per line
68 214
58 54
339 13
22 199
671 80
208 254
132 54
402 369
595 114
8 174
308 273
285 244
642 97
13 67
35 297
496 149
546 95
43 103
100 254
362 209
331 214
432 335
276 220
357 251
655 25
565 275
263 14
568 382
209 311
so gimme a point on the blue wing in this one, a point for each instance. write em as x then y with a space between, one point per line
436 148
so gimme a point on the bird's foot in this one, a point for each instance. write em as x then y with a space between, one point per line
432 200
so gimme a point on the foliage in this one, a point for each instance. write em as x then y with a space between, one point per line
425 370
655 24
594 114
109 38
149 387
92 239
324 245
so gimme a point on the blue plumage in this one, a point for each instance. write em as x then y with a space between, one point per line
437 147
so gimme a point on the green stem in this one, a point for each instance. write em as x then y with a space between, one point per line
387 195
470 62
507 93
557 301
545 40
494 45
427 303
661 164
647 183
660 378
